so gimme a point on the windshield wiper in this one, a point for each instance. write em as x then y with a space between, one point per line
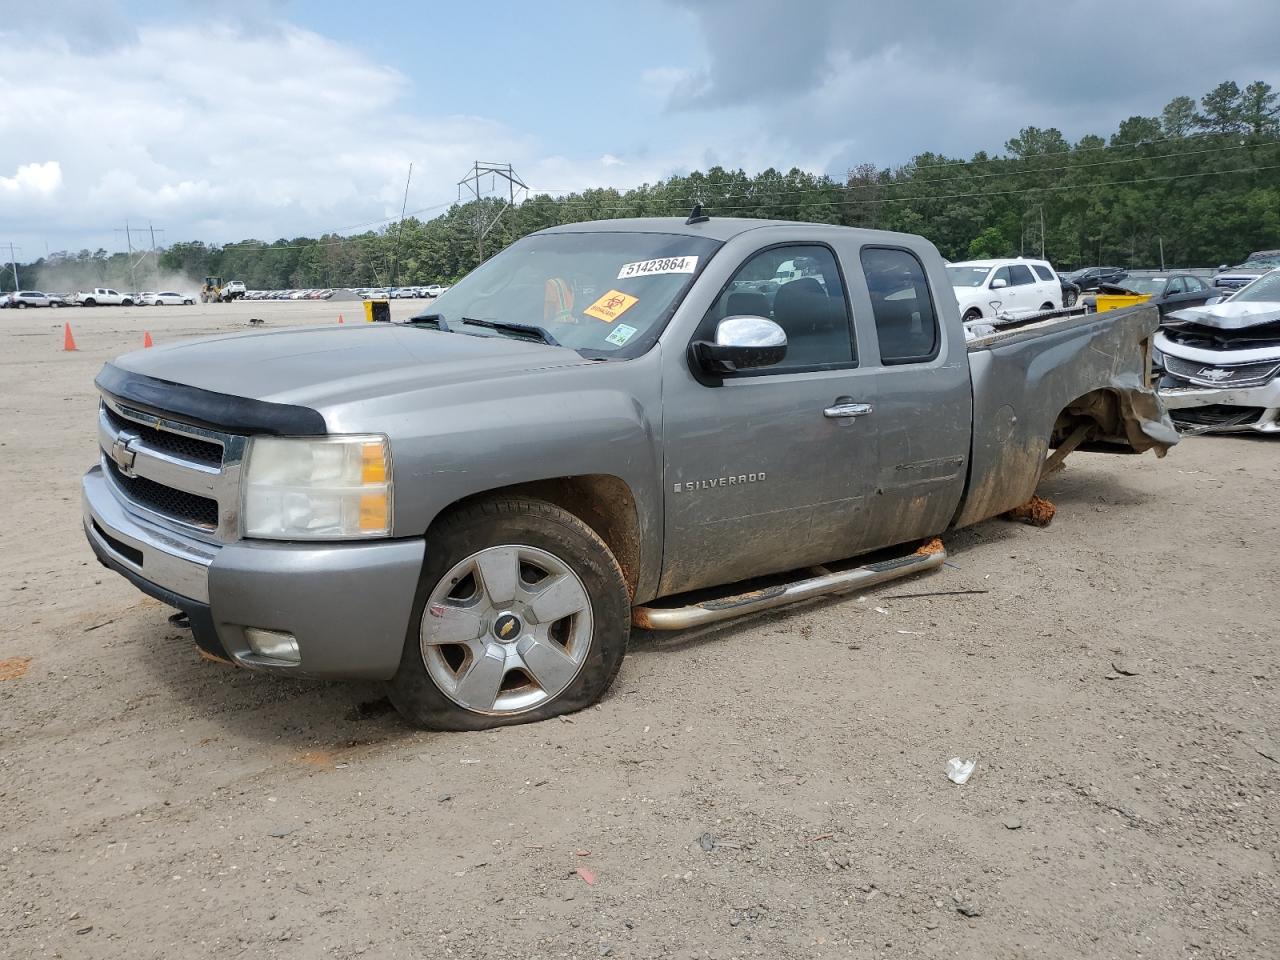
432 318
507 326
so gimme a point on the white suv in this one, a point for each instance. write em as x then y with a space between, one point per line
1004 288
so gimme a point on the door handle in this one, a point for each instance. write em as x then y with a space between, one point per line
846 408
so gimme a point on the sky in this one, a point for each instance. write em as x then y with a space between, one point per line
227 120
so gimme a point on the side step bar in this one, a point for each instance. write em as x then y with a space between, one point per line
739 605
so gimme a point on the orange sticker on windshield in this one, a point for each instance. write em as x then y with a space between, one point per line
611 306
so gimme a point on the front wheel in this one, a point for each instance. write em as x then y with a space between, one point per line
522 613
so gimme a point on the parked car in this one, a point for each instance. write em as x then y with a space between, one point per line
22 299
1171 292
292 495
1220 363
104 296
1090 278
1070 292
168 298
1254 266
1004 288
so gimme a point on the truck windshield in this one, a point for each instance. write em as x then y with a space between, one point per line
967 276
598 293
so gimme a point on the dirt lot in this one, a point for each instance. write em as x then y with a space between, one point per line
766 789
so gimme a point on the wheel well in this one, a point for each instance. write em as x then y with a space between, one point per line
601 501
1098 407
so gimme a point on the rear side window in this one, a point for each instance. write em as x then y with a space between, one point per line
1044 273
906 324
1019 275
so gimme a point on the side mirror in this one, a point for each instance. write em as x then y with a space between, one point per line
999 283
1222 266
741 343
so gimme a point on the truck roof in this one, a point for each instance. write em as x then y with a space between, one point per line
723 228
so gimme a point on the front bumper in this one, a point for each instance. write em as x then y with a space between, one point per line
348 604
1214 410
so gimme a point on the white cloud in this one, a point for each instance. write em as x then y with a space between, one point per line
41 179
220 135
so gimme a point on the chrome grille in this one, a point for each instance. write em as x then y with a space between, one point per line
185 507
180 444
1216 375
177 475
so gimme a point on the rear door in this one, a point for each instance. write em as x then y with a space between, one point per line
1004 299
924 406
1026 292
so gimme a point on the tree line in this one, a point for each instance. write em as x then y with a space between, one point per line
1196 185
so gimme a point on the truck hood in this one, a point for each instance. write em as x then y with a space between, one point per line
318 366
1232 315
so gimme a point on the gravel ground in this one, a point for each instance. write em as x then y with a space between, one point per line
772 788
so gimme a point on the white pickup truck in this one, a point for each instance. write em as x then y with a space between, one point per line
103 296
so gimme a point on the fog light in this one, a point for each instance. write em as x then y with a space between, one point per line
273 644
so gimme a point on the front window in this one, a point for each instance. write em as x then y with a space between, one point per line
599 293
961 276
1266 289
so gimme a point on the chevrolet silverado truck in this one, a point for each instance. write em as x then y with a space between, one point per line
605 424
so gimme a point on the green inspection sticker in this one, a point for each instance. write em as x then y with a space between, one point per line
621 334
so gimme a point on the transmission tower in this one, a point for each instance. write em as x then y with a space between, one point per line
471 181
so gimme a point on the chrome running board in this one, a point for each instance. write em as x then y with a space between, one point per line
753 601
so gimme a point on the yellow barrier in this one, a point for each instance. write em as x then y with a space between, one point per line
1118 301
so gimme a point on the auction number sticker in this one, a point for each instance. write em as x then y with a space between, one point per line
621 335
611 306
649 268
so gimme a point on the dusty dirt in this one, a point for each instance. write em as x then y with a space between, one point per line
774 788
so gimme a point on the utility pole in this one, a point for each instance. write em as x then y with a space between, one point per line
1161 241
155 257
472 181
395 253
1042 231
13 261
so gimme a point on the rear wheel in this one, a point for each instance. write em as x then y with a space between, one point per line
972 314
1046 307
1069 298
91 302
22 305
522 614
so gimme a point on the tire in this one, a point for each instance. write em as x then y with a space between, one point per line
1069 299
126 302
91 302
973 313
1046 307
22 305
465 683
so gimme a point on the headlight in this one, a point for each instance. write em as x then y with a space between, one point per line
334 488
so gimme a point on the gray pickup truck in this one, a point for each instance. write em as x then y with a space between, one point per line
660 421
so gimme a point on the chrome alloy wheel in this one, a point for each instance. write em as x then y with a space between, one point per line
506 630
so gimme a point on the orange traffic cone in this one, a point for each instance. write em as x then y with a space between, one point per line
146 340
339 318
68 341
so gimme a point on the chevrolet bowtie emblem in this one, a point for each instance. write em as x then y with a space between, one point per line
123 453
506 629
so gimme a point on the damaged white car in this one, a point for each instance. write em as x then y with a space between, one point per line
1218 364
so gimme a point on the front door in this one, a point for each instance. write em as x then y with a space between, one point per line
772 469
